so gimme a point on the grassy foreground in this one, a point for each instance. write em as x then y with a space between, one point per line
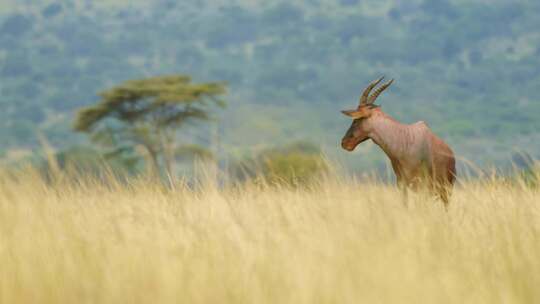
339 241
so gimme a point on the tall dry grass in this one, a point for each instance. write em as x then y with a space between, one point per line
338 241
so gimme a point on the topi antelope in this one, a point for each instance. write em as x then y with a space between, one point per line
419 158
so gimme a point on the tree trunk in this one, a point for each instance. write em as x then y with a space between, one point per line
153 161
167 144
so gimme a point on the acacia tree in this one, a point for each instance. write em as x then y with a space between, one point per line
148 113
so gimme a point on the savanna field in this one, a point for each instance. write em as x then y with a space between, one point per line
117 117
338 240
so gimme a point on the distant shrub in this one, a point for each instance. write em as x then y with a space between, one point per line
292 168
52 10
294 164
84 161
16 25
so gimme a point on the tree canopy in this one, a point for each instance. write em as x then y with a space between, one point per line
148 113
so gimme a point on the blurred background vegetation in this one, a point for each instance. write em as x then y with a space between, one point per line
470 69
293 164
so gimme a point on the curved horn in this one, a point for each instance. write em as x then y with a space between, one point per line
378 92
367 90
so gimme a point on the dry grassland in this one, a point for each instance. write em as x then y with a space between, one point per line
338 241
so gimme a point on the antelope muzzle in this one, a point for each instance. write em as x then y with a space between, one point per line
348 144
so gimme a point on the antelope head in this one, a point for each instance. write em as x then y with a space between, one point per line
360 128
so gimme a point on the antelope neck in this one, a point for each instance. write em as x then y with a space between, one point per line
394 138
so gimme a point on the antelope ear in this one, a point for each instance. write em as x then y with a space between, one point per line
353 113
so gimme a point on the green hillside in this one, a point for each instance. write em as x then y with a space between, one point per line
470 69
